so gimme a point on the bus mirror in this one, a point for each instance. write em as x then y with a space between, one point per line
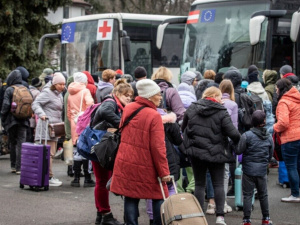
126 48
255 28
295 24
42 41
160 34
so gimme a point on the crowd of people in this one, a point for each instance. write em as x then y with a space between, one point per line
200 120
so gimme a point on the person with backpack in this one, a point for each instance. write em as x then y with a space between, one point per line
255 87
256 145
15 114
171 99
106 85
288 126
49 105
141 156
208 122
79 100
108 116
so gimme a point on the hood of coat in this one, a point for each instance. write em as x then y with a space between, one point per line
293 78
76 87
14 77
235 76
24 72
292 95
256 88
203 84
163 84
70 80
89 77
102 85
261 132
267 107
270 77
169 118
206 107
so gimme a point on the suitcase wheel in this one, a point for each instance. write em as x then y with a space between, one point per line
31 187
21 185
46 188
284 185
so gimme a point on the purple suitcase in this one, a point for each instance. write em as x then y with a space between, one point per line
35 159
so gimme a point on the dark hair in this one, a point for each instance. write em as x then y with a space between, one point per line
140 72
283 85
219 77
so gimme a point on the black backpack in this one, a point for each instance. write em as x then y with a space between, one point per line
249 102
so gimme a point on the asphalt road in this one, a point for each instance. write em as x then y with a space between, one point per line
70 205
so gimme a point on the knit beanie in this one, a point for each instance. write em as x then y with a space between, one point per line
48 71
258 118
188 77
80 77
252 69
36 82
147 88
58 78
253 76
285 69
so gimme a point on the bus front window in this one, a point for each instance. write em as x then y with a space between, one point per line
219 38
88 53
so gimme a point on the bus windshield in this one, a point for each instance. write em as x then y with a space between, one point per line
217 37
84 52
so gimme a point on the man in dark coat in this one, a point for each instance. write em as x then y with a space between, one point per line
16 128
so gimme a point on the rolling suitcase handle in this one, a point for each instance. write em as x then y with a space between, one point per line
46 132
162 189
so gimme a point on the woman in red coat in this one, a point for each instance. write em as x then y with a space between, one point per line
141 156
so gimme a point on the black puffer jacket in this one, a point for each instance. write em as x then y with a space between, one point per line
107 115
172 137
207 126
8 120
256 145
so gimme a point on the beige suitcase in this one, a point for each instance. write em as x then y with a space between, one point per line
181 209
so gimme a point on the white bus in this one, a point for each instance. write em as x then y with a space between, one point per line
117 41
224 33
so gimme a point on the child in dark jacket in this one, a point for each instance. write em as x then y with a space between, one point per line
256 145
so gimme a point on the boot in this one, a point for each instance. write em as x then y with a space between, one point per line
70 171
98 218
77 169
108 219
88 182
150 222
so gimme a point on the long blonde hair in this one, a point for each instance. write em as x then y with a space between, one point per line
211 92
162 73
226 86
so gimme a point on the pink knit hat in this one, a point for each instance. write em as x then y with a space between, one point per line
58 78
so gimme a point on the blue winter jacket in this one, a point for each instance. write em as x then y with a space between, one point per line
256 145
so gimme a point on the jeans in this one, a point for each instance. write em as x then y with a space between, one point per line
16 136
248 185
291 156
217 175
131 210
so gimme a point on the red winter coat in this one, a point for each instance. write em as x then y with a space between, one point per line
141 156
91 84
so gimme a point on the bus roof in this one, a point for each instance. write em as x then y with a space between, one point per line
149 17
211 1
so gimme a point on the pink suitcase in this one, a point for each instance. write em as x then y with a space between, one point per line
35 159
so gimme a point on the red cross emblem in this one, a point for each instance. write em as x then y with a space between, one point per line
105 29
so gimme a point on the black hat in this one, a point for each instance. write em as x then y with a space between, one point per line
258 118
252 69
140 72
36 82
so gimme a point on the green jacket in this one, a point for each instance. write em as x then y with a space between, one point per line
270 78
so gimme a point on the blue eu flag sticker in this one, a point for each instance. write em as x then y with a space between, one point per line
208 16
68 32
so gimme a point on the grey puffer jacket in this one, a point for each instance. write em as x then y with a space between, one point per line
207 126
8 120
256 145
47 103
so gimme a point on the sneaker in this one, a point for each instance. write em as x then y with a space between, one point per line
18 172
291 199
13 170
230 193
246 222
211 209
108 219
220 220
266 221
58 153
227 208
53 182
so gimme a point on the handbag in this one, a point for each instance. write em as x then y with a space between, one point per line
106 150
56 129
80 112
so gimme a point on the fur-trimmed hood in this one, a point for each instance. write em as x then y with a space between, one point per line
169 118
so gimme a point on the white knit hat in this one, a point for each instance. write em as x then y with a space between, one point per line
80 77
147 88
